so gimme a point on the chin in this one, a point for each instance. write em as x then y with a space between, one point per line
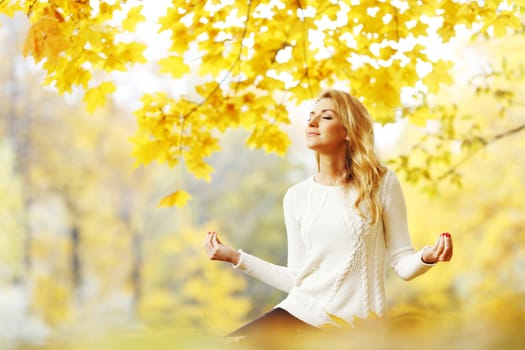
312 147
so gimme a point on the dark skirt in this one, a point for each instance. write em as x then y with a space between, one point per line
277 321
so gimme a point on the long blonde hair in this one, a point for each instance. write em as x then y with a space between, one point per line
364 170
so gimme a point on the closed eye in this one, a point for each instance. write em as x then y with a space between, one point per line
325 114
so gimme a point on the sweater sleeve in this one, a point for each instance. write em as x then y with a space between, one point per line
404 260
280 277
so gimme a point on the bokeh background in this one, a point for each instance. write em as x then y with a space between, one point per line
88 258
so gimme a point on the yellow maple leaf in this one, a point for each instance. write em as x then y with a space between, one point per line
446 31
439 75
114 62
9 8
198 167
420 29
134 17
45 39
387 52
270 138
106 10
503 22
174 65
170 19
419 116
82 77
178 198
96 96
179 43
144 150
131 52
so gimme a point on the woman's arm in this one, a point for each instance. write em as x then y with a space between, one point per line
280 277
405 261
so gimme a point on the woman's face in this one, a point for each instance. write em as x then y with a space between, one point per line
324 132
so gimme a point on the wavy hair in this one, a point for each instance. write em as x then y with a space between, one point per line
364 170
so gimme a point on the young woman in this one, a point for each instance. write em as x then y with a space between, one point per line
341 224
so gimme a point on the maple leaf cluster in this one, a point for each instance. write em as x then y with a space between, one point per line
255 58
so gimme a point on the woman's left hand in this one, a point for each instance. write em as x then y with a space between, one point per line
441 251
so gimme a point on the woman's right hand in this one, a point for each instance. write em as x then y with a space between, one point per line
218 251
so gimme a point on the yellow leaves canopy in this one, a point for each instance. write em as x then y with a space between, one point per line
9 8
73 40
253 57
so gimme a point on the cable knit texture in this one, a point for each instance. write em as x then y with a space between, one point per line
336 258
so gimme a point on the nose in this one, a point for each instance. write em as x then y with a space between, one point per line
313 120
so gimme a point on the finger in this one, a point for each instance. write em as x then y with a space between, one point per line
443 256
436 245
207 238
215 239
211 240
210 246
209 250
447 253
451 246
436 248
440 246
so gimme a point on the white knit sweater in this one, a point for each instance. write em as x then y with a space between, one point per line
336 258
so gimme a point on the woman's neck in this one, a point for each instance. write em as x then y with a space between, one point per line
332 171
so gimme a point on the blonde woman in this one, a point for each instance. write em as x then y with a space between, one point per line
341 224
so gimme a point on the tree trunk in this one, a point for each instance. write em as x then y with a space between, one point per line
75 260
17 128
136 270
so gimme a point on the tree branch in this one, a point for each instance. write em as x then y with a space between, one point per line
305 49
230 70
484 143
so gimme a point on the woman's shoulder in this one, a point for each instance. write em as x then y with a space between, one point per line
389 184
388 176
300 187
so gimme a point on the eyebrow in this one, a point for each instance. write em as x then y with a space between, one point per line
324 110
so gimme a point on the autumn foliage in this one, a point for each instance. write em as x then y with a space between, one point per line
251 59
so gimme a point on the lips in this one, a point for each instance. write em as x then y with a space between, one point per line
312 133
